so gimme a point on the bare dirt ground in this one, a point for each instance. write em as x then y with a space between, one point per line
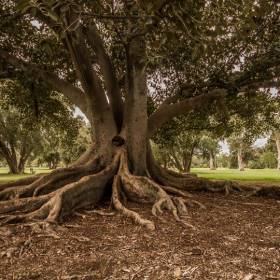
236 237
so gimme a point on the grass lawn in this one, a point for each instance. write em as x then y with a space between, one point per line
255 175
5 177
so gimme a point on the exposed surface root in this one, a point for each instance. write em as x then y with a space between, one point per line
144 189
189 183
126 212
23 204
39 185
175 191
20 182
181 175
54 206
51 197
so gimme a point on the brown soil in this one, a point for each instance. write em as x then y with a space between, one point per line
236 237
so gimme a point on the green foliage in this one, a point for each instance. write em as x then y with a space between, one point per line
52 159
269 160
71 152
209 145
255 164
265 160
192 47
29 131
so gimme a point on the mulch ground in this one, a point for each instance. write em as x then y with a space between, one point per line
236 237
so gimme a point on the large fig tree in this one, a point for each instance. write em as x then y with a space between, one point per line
110 58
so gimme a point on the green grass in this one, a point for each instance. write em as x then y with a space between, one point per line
5 177
250 175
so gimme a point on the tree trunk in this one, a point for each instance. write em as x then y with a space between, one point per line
212 165
241 165
176 161
13 168
22 161
12 163
187 159
135 118
119 161
21 167
278 152
187 163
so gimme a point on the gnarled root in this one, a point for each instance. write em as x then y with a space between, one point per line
20 182
49 198
44 184
190 183
64 201
120 207
143 189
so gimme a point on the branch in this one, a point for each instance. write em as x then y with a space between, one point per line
74 42
167 112
74 94
262 84
91 83
5 150
108 72
185 90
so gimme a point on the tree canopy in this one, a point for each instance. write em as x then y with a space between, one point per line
132 67
27 122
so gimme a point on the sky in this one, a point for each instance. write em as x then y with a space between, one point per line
258 143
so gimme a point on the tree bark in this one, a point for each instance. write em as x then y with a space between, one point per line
277 140
187 161
10 156
119 161
212 165
135 118
241 165
176 161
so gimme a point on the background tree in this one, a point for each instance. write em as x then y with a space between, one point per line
176 145
209 149
18 139
66 145
276 138
24 128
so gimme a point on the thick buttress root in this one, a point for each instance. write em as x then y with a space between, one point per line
191 183
61 201
49 198
144 189
38 185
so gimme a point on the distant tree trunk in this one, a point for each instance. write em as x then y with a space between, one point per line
176 161
241 164
212 164
187 159
13 168
165 162
277 140
21 167
9 153
24 155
